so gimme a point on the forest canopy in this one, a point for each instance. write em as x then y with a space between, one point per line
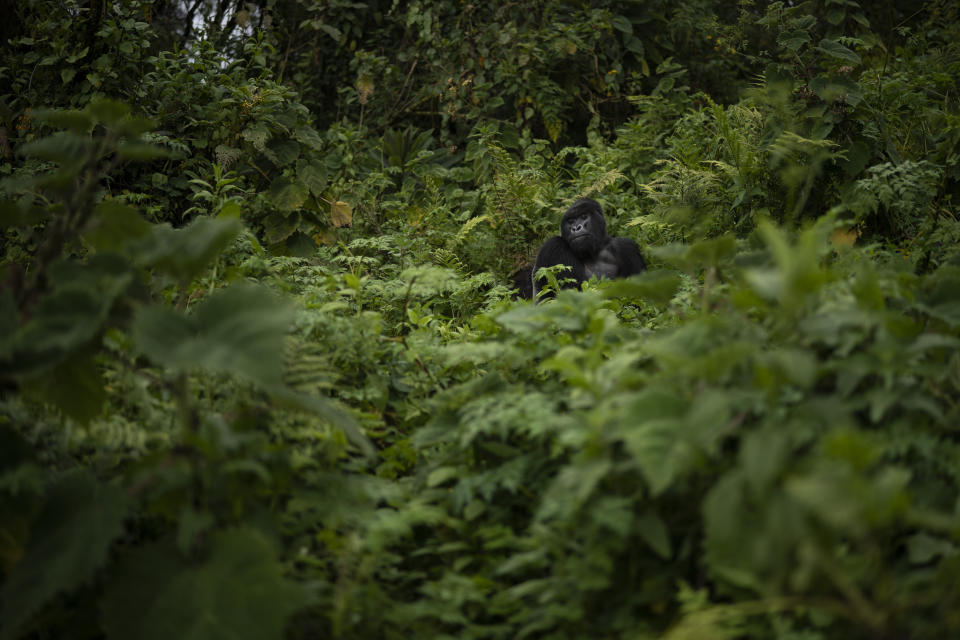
267 369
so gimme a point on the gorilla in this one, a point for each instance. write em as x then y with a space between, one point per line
584 246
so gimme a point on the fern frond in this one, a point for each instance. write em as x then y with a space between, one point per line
605 180
307 366
447 258
470 224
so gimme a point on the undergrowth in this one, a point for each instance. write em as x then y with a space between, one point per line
264 371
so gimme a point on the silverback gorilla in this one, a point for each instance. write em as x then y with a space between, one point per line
584 246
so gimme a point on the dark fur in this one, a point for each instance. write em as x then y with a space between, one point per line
523 282
584 246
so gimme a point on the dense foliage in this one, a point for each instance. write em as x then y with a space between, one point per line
263 372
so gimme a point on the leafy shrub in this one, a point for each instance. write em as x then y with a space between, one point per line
336 421
86 315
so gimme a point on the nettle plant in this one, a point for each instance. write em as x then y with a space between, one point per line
737 468
105 319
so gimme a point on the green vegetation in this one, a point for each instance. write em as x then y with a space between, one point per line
262 373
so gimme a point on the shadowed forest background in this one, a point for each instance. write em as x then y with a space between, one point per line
265 373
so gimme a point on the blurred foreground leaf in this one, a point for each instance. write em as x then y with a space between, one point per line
69 543
237 330
184 253
239 592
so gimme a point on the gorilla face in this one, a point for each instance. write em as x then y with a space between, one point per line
583 228
578 233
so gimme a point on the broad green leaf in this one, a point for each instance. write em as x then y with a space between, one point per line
108 112
724 541
191 525
313 177
524 319
614 514
706 253
621 23
73 313
114 224
836 16
135 126
438 476
257 135
284 152
184 253
572 487
68 544
853 447
77 56
941 297
301 245
664 85
660 454
655 437
141 151
837 50
834 89
474 510
708 419
230 209
763 457
332 31
696 349
657 286
750 538
75 387
712 252
654 532
158 330
77 122
237 330
922 548
287 194
785 366
279 226
857 156
309 137
829 495
19 214
793 40
934 341
62 147
238 592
